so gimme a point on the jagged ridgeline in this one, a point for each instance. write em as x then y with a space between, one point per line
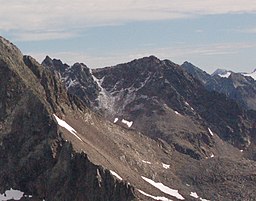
144 130
240 87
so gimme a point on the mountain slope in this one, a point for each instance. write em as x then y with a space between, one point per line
35 158
198 129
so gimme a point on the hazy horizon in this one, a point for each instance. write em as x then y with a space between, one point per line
209 34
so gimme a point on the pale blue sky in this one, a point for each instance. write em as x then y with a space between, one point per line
210 34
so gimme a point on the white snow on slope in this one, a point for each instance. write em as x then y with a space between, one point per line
11 194
187 104
225 75
128 123
155 197
210 131
146 162
115 174
165 166
253 74
71 83
177 113
116 119
164 189
194 195
106 100
202 199
66 126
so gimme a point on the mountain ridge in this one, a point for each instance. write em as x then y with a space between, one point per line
239 87
55 145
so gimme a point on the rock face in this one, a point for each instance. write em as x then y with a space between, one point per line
77 78
240 87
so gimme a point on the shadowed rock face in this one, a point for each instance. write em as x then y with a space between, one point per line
34 157
77 78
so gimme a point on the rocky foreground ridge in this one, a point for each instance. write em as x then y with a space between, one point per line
145 130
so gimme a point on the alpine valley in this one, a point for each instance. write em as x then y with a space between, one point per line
145 130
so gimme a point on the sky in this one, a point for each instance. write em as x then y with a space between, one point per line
210 34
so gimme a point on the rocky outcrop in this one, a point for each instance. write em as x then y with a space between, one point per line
77 79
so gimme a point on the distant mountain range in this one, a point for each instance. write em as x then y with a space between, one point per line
148 129
240 87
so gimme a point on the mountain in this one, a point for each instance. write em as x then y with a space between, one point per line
240 87
159 97
253 74
222 73
38 156
196 72
162 101
77 78
144 130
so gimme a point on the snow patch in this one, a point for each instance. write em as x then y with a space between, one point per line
241 150
115 174
71 83
105 99
154 197
146 162
194 195
128 123
225 75
28 196
210 131
11 194
253 74
66 126
164 189
116 119
187 104
212 155
166 81
202 199
165 166
177 113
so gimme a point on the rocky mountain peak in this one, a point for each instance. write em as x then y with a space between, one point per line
196 72
77 79
55 64
221 72
8 47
